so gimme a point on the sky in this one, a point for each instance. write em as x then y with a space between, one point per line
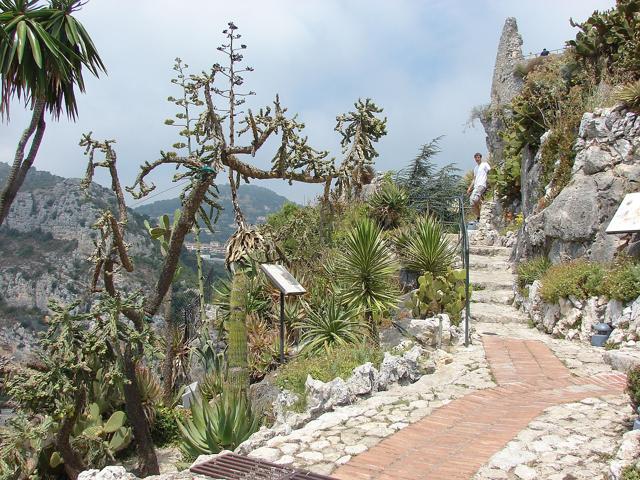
427 63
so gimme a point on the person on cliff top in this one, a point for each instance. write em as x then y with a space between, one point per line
544 52
479 184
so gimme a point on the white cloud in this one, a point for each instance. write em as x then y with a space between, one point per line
425 62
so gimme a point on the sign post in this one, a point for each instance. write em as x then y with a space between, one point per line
288 285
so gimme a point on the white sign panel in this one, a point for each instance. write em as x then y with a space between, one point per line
282 279
627 217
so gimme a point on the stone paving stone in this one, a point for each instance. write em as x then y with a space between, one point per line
459 438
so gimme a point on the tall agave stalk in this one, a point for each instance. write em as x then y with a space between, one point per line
237 333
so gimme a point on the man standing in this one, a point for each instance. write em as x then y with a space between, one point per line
479 184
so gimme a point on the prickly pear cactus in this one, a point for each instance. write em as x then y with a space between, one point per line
440 294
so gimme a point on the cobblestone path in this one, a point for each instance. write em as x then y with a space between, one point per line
456 440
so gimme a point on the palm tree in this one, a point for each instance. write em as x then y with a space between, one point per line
365 270
42 52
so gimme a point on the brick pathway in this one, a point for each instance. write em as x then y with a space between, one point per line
460 437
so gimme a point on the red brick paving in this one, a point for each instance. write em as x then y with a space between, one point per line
457 439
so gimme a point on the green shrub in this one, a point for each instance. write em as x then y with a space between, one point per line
337 362
531 270
633 387
577 278
622 281
329 325
164 430
630 472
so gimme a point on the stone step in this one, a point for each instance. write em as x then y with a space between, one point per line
478 262
494 313
493 280
489 251
501 296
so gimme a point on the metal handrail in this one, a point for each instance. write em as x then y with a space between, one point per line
463 242
465 263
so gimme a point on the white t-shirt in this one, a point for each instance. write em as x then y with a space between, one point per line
480 175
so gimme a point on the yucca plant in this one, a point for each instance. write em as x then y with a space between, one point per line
364 271
389 204
220 425
629 95
424 248
331 324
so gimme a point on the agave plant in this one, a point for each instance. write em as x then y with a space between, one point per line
332 324
389 204
424 248
220 425
150 392
364 272
214 379
629 95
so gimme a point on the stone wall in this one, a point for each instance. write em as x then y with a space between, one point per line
573 319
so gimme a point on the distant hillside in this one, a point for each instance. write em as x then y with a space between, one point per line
46 240
256 203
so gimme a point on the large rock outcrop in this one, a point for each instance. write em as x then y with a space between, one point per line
607 166
45 243
505 85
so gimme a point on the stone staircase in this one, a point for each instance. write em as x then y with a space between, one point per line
493 281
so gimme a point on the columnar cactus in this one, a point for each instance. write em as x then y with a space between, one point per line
237 333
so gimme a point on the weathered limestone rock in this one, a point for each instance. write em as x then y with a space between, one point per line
107 473
504 87
427 331
622 360
607 166
627 454
322 396
364 380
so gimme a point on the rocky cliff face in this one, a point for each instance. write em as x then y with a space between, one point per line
45 243
504 87
607 166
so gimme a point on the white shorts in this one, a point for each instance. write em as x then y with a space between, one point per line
476 195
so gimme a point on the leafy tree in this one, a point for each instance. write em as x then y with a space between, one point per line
42 53
429 188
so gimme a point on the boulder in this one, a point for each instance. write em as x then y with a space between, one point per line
551 314
107 473
322 397
364 380
627 453
606 167
622 360
591 314
263 395
613 312
416 360
393 369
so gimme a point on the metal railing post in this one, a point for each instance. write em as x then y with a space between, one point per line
465 262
